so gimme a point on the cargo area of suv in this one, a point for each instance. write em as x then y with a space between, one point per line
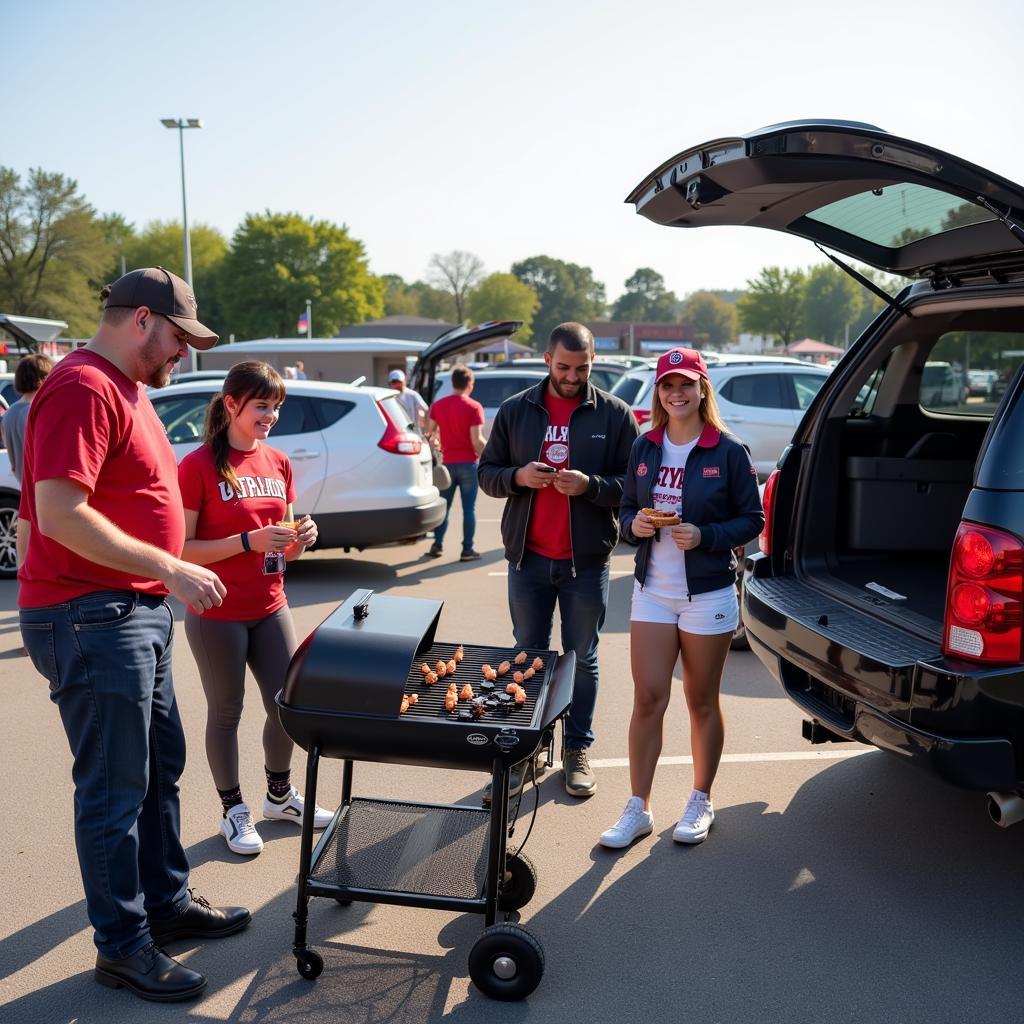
888 597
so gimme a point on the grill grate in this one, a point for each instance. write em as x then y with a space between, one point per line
430 699
396 847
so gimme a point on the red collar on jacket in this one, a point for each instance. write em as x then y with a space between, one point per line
709 436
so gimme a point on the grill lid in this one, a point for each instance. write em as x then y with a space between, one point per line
357 660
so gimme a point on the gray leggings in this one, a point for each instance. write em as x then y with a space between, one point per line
222 650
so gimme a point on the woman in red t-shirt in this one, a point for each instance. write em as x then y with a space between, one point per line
238 494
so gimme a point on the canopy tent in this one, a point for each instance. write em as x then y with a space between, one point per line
810 347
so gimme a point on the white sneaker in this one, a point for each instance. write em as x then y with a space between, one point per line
291 810
694 825
239 832
633 823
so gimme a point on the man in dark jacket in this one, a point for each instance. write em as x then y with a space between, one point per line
558 453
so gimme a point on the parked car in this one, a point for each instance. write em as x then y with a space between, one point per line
761 397
982 384
358 470
888 598
10 498
491 388
8 392
189 376
942 384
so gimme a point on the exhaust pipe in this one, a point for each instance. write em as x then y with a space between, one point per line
1006 809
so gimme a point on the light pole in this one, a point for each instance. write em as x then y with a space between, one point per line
181 124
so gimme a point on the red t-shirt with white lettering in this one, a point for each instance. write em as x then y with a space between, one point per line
548 531
91 424
455 415
265 490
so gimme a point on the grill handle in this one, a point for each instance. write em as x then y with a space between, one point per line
559 694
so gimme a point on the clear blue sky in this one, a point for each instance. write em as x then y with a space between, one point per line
505 129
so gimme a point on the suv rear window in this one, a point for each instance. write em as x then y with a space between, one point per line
628 388
899 214
764 390
967 372
490 390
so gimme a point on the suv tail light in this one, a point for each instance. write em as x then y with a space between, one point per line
399 442
642 415
768 502
985 596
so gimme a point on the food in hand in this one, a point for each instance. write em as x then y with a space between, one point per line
537 664
504 667
466 693
451 667
660 518
520 658
460 653
289 524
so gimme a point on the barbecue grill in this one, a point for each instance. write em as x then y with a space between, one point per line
342 700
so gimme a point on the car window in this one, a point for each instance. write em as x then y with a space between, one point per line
628 388
296 417
764 390
490 390
806 385
183 417
967 372
330 410
604 379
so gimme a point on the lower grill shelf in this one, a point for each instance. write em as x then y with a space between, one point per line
389 846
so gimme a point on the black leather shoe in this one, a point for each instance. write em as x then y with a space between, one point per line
150 974
200 921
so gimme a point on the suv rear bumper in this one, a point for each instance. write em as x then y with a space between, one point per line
378 526
863 685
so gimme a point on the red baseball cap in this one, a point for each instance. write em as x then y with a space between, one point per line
686 361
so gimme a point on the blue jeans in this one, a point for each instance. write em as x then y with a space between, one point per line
107 657
463 476
533 589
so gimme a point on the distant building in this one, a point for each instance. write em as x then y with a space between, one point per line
750 344
399 326
620 337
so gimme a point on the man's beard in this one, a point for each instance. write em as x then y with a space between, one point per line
567 390
154 364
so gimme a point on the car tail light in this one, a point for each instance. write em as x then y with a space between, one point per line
642 415
399 442
985 596
768 502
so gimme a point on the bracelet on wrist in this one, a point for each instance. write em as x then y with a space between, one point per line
245 542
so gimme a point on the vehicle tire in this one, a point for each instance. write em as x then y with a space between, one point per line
520 885
310 964
506 962
8 537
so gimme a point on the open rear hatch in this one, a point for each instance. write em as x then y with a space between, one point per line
453 343
894 204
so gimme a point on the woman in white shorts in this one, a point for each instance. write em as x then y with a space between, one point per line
690 497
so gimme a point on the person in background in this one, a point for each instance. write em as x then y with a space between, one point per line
238 494
411 401
684 594
300 370
557 453
459 422
28 378
102 510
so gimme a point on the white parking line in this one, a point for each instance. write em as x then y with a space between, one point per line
613 572
788 755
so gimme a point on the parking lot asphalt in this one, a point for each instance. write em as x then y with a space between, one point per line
836 885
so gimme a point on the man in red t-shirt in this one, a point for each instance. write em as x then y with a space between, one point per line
102 525
460 422
558 454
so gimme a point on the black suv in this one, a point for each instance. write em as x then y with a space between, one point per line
887 600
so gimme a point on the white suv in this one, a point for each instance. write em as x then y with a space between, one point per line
762 399
358 469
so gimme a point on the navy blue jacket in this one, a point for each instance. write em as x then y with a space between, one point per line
720 498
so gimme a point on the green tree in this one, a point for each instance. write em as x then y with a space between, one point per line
504 297
399 298
773 304
435 303
832 304
456 272
566 291
645 298
160 244
54 250
278 260
712 319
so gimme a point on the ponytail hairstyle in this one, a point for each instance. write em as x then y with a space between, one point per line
244 382
708 409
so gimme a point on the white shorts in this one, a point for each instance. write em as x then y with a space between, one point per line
703 614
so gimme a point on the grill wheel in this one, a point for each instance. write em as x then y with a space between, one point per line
519 884
506 962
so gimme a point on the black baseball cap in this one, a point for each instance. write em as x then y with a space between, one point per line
164 293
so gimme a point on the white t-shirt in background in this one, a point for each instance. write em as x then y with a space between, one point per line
666 571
